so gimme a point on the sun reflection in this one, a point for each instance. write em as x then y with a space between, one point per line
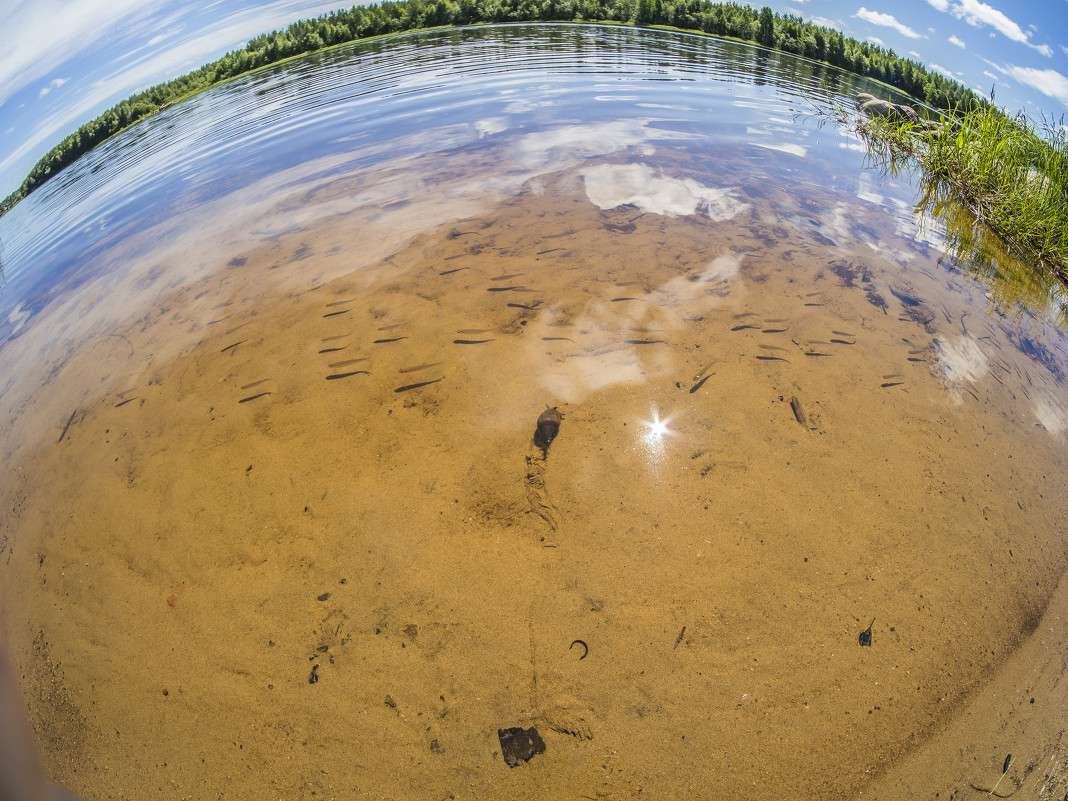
658 428
653 437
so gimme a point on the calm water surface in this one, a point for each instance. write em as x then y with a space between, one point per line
273 364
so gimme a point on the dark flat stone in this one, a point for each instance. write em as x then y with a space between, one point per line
518 745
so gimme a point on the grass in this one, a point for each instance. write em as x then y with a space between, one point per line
1010 176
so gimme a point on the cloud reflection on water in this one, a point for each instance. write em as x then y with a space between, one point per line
1049 412
960 361
609 186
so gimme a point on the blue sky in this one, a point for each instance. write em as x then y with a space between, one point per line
63 62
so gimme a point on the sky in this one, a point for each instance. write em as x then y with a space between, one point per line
63 62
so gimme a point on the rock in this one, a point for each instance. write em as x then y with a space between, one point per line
518 745
1036 181
908 112
865 636
874 107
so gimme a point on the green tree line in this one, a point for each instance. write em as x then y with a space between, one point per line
789 34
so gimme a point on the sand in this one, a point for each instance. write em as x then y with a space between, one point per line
283 531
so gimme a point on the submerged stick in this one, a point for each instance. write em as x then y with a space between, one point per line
71 420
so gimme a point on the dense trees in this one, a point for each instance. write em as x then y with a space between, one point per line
790 34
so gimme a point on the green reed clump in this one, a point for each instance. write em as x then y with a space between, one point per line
1011 177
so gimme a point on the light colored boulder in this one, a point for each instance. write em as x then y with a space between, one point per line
884 108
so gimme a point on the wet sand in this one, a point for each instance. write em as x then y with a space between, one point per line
1016 718
295 537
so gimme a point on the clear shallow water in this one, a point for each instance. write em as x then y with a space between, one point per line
273 366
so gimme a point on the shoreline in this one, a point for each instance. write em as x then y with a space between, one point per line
1019 711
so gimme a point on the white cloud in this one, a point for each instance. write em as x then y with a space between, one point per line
956 41
53 84
943 70
887 21
876 40
993 65
977 14
1049 82
823 22
1064 49
48 27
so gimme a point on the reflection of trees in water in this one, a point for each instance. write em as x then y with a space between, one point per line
1013 285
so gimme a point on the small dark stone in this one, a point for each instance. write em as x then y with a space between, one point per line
314 677
865 636
518 745
324 596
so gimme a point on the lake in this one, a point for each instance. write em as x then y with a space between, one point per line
579 378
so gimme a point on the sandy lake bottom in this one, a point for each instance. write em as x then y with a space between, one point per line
287 534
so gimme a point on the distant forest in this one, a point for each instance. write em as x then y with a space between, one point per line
789 34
